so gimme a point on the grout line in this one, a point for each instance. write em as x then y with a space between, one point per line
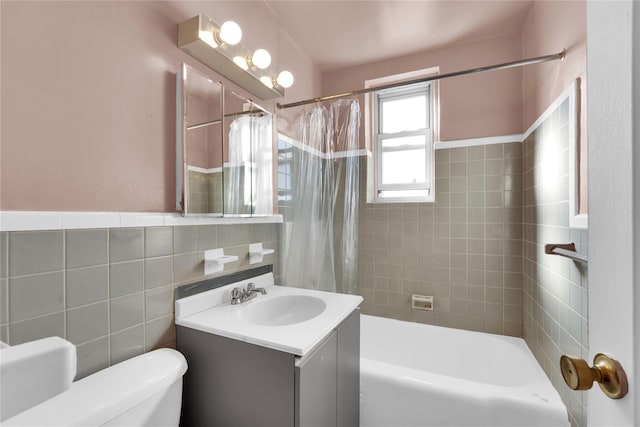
36 317
94 340
66 309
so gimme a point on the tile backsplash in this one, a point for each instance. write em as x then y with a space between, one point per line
465 249
555 288
110 291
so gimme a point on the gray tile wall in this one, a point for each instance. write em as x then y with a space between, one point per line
555 288
110 291
465 249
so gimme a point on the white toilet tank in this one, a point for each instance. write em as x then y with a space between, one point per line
143 391
34 372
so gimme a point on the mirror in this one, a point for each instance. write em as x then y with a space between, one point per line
200 152
224 154
248 170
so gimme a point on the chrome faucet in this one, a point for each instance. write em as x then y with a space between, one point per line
238 295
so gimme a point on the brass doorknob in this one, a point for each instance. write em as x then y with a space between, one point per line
606 371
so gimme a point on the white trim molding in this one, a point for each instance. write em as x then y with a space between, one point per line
40 220
471 142
576 219
571 89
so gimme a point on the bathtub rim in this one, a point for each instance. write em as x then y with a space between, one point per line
539 392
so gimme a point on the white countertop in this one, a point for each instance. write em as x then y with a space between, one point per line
212 312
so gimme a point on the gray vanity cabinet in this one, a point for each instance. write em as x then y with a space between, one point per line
234 383
328 382
348 372
316 385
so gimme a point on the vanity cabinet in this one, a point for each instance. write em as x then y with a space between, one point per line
234 383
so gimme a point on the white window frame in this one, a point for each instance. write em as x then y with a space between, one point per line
393 94
374 137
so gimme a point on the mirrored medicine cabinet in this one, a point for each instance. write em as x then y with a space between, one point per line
224 154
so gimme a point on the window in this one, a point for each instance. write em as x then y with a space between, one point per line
402 133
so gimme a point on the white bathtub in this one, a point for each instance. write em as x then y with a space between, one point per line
422 375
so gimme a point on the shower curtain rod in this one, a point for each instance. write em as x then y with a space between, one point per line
226 116
522 62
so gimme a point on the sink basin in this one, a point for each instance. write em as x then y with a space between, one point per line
283 310
287 319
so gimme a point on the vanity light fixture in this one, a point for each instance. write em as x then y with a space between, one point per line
241 62
219 48
267 81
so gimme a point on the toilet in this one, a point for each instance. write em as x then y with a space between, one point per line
143 391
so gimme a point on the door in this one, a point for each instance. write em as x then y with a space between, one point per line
613 123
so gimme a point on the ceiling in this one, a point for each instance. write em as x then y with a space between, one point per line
339 34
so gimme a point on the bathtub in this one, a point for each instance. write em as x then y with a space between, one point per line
421 375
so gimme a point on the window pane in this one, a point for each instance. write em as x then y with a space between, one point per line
404 114
403 167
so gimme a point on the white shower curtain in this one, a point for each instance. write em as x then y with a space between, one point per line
315 259
249 174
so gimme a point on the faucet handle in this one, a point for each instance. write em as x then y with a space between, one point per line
251 288
237 295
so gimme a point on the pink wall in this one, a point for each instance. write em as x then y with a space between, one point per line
473 106
88 99
550 27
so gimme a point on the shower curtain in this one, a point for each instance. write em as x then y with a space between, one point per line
323 240
249 175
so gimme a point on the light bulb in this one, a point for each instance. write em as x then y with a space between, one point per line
261 59
230 33
241 62
208 38
285 79
267 81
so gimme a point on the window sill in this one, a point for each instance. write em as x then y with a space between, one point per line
377 200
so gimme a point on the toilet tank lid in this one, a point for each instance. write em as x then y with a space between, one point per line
99 397
33 372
